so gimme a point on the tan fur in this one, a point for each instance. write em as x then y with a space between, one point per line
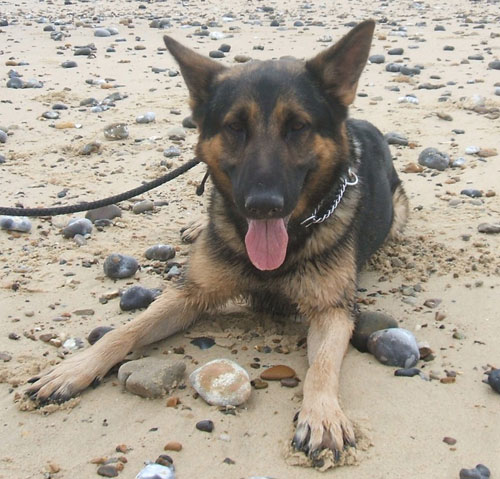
401 212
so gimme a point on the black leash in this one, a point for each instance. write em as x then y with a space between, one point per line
64 210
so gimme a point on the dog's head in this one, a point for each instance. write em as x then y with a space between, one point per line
273 134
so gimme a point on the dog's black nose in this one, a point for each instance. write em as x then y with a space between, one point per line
264 204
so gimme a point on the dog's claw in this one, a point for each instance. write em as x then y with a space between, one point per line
32 380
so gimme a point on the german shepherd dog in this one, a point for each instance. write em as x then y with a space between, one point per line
303 196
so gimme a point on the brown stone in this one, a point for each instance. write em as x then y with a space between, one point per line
275 373
173 446
413 168
259 384
172 401
451 441
289 382
487 152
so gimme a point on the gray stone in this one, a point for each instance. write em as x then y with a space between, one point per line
137 297
69 64
15 82
395 138
216 54
242 58
394 347
83 51
50 115
151 377
116 131
156 471
395 51
97 333
171 152
471 192
102 32
148 117
143 206
105 213
221 382
376 59
77 226
188 122
118 266
489 228
225 48
160 252
15 223
176 133
393 67
495 65
3 136
89 148
367 322
434 159
494 380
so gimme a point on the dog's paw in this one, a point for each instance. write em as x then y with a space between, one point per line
323 425
190 233
65 381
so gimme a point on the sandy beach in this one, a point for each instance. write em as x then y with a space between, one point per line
55 287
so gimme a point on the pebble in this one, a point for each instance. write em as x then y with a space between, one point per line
479 472
50 115
3 136
221 382
102 32
118 266
15 223
216 54
206 425
494 380
5 357
156 471
176 133
116 131
394 347
471 193
83 51
289 382
257 383
173 446
77 226
171 152
395 51
395 138
105 213
73 344
15 83
242 58
225 48
407 372
203 342
137 297
98 333
69 64
275 373
143 206
148 117
458 162
107 470
489 228
151 377
376 59
495 65
188 122
393 67
434 159
89 148
367 322
160 252
472 150
2 159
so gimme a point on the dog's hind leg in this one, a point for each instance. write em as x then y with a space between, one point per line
401 210
191 232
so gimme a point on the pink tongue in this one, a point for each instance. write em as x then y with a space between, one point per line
266 242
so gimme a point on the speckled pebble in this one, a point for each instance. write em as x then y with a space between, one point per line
137 297
116 131
222 382
77 226
15 223
160 252
118 266
242 58
434 159
394 347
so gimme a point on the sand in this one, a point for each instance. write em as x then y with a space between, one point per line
401 422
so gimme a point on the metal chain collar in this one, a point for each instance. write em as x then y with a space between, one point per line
351 180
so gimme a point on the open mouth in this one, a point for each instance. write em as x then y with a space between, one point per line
266 242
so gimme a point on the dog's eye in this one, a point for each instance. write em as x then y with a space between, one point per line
297 125
236 126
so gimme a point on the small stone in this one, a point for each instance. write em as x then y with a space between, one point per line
434 159
472 150
393 67
472 193
394 347
73 344
289 382
143 206
176 133
275 23
489 228
367 322
118 266
150 377
77 226
69 64
102 32
494 380
15 83
376 59
494 65
432 303
3 136
5 357
485 472
229 461
49 115
107 470
395 51
413 168
298 23
188 122
160 252
242 58
203 342
137 297
173 446
15 223
206 425
98 333
221 382
89 148
395 138
225 48
171 152
157 471
148 117
275 373
216 54
258 383
84 51
172 401
451 441
105 213
116 131
470 474
487 152
407 372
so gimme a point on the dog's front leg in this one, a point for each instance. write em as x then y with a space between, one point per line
321 421
173 311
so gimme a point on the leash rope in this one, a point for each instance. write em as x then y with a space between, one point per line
86 206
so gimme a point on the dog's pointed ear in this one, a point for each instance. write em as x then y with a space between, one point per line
339 67
198 71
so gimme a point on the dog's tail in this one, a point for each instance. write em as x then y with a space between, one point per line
401 208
